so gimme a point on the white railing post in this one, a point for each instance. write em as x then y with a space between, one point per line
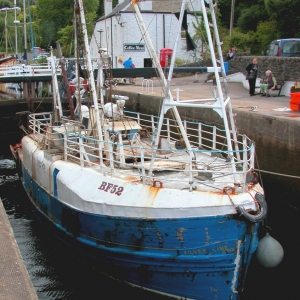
168 130
143 164
200 135
65 146
214 137
152 124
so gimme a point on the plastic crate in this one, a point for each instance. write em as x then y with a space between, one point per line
295 97
294 106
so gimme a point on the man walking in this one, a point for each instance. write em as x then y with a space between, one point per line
129 64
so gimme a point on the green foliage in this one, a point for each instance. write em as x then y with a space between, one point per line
55 15
249 18
241 41
41 60
52 16
286 15
266 32
6 3
180 62
66 37
261 21
200 34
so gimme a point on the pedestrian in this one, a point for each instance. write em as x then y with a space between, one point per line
252 70
230 53
129 64
120 60
271 84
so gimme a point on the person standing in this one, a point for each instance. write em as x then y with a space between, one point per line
252 70
129 64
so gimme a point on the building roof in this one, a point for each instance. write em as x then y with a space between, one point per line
166 6
158 6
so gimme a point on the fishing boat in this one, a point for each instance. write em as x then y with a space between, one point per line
162 203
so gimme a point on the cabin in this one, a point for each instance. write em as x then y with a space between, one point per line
118 33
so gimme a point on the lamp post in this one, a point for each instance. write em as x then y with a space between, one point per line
6 49
100 31
6 9
25 32
118 17
16 28
231 16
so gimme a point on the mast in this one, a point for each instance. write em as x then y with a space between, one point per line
168 102
220 93
57 108
90 72
168 96
168 99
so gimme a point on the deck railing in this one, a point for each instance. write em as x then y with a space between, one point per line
209 159
27 70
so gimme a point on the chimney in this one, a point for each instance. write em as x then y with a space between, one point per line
146 5
107 7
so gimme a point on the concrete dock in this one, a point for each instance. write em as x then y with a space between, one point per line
15 283
193 86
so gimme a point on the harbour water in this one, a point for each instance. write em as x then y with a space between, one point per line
58 272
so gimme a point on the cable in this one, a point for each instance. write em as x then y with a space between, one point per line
279 174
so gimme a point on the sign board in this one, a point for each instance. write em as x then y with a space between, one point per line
134 47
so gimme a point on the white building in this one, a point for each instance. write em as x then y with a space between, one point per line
119 33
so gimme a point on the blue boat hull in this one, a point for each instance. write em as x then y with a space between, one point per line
196 258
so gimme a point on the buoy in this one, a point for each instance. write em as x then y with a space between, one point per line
269 252
78 88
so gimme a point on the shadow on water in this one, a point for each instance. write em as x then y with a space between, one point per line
281 282
57 272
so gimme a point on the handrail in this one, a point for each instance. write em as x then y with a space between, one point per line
208 159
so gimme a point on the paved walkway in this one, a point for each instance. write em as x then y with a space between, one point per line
15 283
192 86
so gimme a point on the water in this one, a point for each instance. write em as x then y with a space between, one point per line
57 272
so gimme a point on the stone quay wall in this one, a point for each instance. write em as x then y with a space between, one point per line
287 68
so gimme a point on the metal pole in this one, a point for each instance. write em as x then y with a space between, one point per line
232 16
100 31
25 32
16 29
6 33
31 31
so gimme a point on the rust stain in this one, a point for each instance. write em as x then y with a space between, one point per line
153 191
160 238
217 192
207 237
131 178
179 234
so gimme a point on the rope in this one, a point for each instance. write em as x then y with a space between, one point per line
278 174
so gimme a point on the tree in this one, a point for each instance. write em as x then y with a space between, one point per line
250 17
266 32
54 15
225 7
286 15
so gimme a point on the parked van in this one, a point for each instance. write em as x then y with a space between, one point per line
284 48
